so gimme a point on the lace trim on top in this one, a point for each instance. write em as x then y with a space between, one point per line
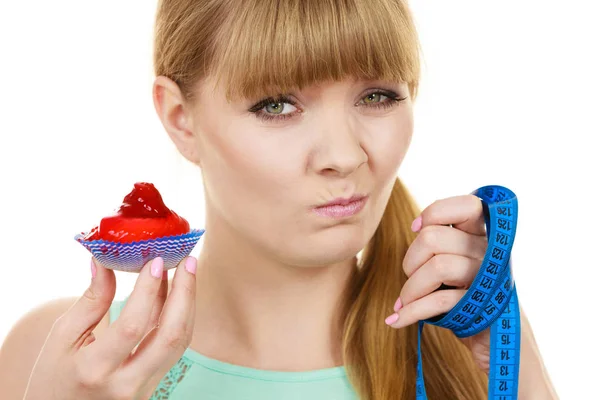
171 379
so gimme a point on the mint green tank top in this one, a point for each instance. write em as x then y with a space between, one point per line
196 376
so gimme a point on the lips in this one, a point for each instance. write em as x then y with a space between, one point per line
340 201
342 208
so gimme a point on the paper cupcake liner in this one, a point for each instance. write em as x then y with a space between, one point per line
131 257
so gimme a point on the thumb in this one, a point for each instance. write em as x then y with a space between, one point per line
90 308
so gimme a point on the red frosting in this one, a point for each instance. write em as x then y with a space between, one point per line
143 215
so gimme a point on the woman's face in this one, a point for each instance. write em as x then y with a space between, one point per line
263 179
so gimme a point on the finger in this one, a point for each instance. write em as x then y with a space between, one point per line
464 213
157 308
446 269
87 312
165 345
435 239
127 331
159 303
432 305
88 339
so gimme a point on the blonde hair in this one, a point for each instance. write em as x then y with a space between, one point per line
264 48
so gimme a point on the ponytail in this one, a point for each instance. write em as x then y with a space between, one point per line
381 361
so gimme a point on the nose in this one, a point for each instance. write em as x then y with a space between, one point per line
339 150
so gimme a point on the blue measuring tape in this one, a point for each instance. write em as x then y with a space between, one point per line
491 301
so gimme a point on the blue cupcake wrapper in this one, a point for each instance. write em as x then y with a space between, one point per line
131 257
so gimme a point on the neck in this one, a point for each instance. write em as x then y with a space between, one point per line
254 311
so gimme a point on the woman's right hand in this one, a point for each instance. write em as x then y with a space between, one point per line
73 364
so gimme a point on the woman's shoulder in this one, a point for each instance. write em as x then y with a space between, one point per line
22 345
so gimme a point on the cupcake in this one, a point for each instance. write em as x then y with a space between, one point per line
143 228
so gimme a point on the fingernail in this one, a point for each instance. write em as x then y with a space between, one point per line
391 319
398 304
416 225
156 268
190 265
93 267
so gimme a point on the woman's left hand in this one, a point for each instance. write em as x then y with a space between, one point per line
444 254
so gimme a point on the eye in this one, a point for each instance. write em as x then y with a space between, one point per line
276 105
371 100
393 99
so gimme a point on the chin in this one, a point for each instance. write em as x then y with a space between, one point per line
326 249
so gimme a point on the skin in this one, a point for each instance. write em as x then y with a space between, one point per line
270 271
287 270
452 255
267 259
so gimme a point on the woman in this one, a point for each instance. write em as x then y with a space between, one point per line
285 106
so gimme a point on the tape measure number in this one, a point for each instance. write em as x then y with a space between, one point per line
491 301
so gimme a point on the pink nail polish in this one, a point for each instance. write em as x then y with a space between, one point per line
93 267
417 223
156 268
398 304
190 265
391 319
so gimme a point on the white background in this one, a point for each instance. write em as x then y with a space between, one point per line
509 96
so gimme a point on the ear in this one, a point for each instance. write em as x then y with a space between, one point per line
175 114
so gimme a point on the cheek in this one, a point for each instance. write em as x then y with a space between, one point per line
256 185
249 181
388 146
